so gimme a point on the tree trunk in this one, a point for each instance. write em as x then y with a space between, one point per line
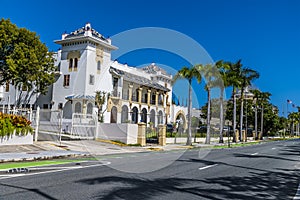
234 115
221 116
189 136
207 141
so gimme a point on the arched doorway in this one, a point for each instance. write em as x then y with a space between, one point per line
144 115
180 122
124 114
113 115
134 115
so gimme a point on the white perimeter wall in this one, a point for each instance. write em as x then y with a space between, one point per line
126 133
17 140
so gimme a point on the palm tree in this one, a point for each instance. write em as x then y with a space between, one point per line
234 80
256 97
264 98
293 119
210 73
247 75
261 98
189 74
222 83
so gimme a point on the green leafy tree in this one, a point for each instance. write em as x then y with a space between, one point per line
24 61
293 119
100 100
189 74
269 122
214 109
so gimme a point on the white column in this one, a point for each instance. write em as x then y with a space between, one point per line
37 122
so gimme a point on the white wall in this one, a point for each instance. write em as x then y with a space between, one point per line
126 133
17 140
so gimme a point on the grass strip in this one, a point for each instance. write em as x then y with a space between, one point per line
40 163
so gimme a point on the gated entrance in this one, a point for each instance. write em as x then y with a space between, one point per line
84 126
50 125
152 135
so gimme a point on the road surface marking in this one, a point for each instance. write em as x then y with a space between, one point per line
254 154
58 170
273 148
297 196
209 166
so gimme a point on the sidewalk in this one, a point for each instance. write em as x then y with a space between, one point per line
50 149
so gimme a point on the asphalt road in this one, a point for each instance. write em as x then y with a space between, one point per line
265 171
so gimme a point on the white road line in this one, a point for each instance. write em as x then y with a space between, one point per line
53 171
49 168
209 166
297 196
254 154
273 148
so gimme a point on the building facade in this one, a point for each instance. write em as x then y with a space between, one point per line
84 66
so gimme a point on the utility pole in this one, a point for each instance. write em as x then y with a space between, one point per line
262 121
256 132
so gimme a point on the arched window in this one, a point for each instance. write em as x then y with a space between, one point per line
152 117
124 114
70 64
153 97
134 115
98 67
78 107
75 64
89 108
113 115
144 115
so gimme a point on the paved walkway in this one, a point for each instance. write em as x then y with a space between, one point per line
49 149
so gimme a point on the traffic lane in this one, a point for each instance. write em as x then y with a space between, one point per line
235 176
242 175
182 179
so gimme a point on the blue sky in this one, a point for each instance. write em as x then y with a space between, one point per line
265 34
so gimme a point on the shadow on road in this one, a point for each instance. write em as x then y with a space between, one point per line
256 183
33 190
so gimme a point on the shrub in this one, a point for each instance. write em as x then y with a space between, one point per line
13 123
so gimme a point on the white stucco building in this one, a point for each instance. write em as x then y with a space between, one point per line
84 66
